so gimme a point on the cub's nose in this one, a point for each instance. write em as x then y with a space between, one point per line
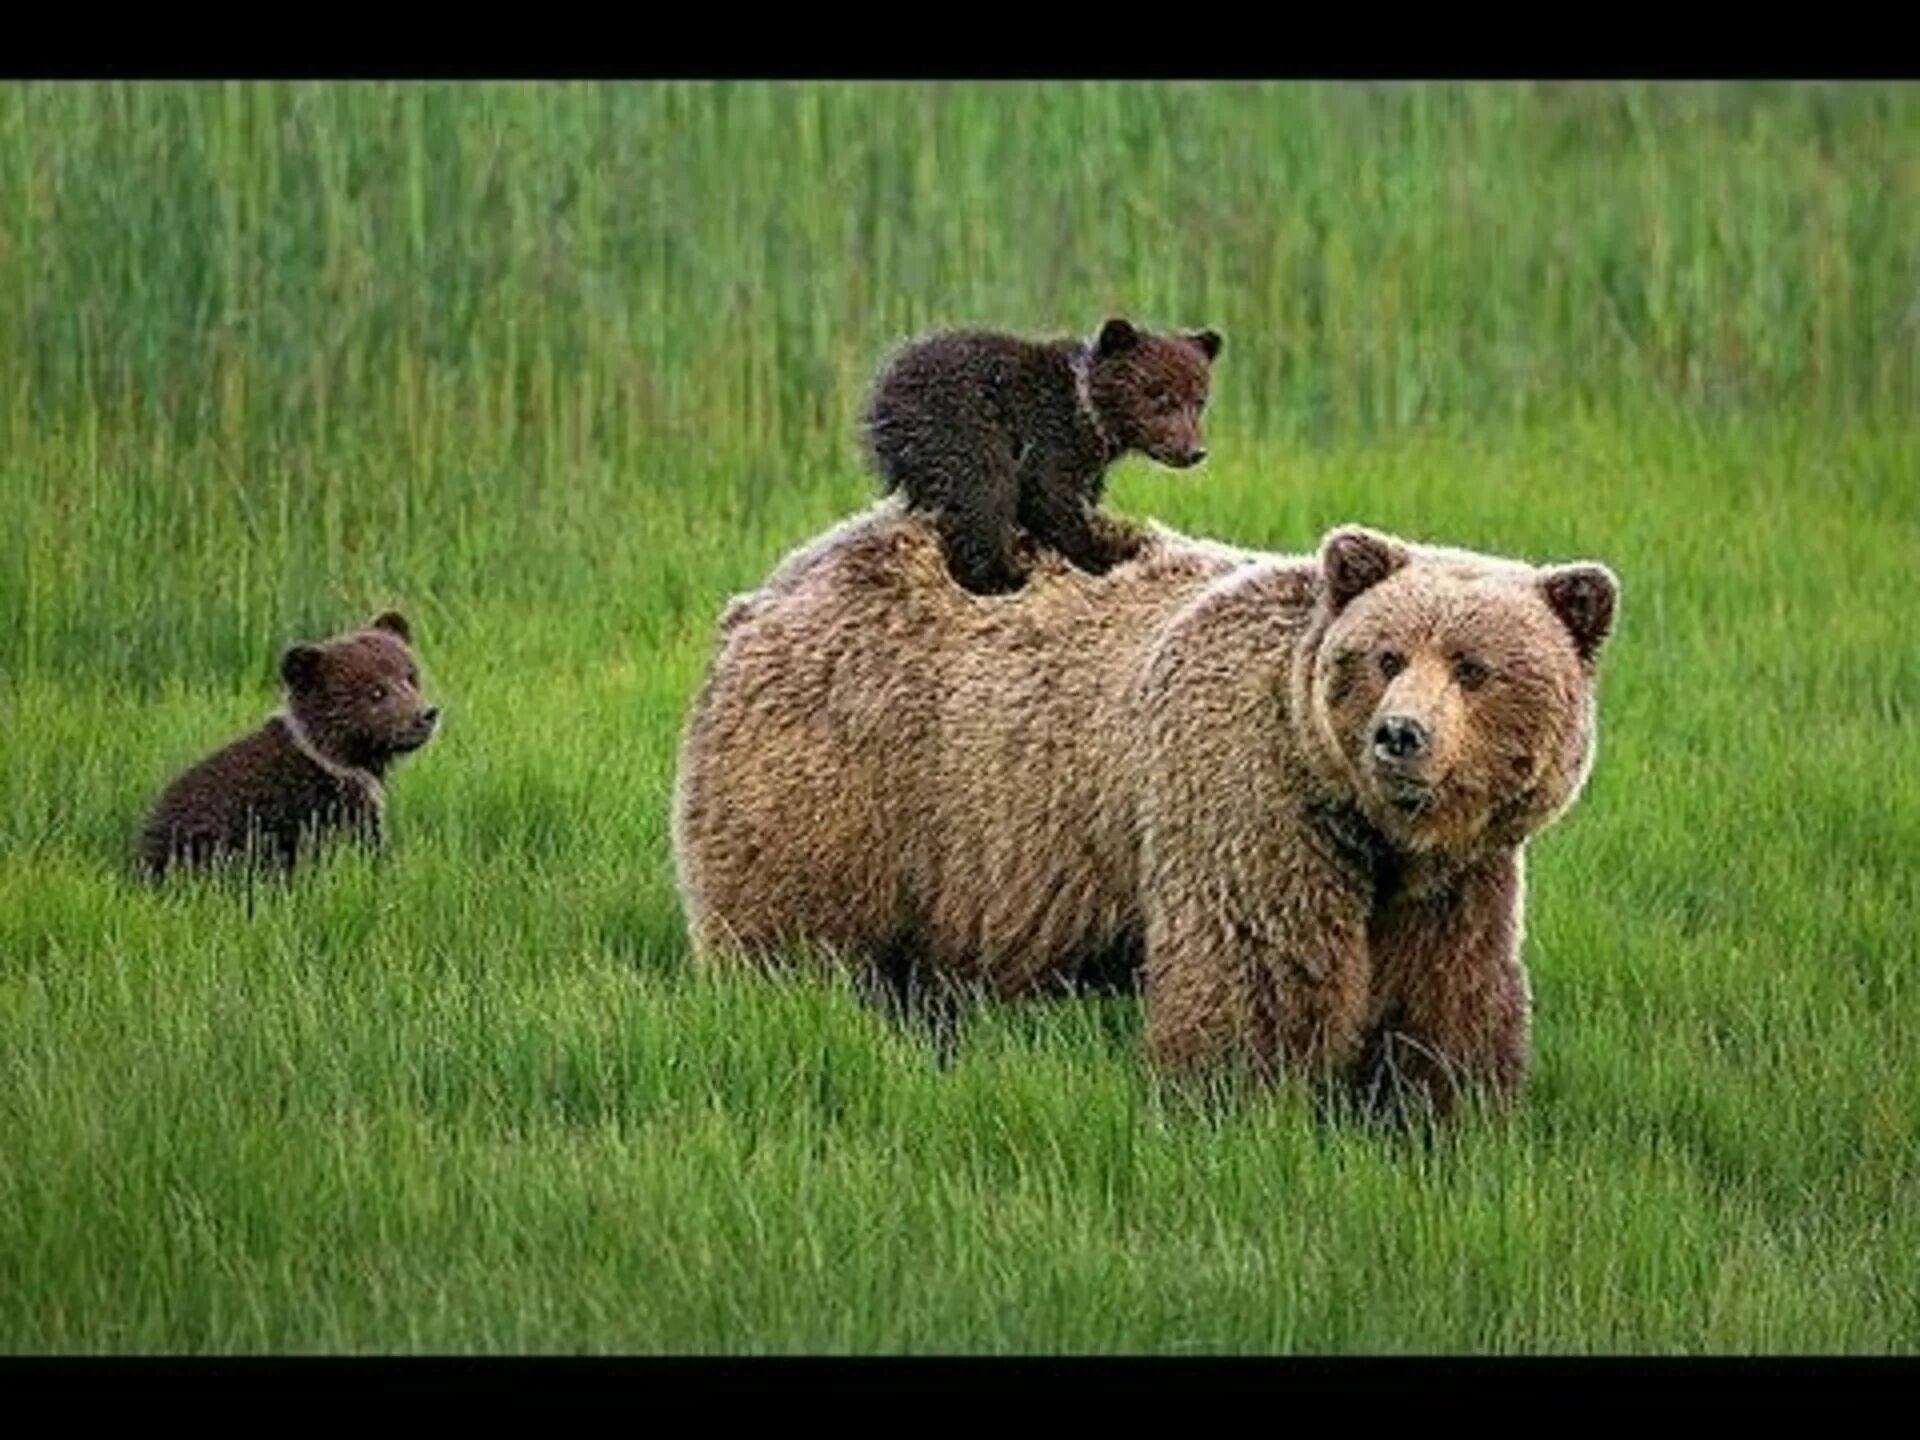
1400 737
431 714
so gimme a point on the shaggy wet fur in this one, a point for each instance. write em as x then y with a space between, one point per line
310 773
989 434
1298 787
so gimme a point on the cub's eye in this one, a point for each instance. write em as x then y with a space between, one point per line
1392 662
1469 673
377 694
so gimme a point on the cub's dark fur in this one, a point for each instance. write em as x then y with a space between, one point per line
989 432
311 772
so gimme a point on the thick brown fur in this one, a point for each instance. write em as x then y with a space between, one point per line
311 773
990 434
1202 757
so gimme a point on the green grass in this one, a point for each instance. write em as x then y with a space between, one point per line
558 368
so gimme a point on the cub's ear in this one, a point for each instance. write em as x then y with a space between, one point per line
1210 342
300 666
1116 337
1354 559
1585 597
394 622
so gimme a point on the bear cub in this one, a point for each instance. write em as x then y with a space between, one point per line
313 771
986 432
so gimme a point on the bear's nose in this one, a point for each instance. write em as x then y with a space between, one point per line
1400 737
1198 454
430 714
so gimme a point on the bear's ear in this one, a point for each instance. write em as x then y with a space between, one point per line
1117 337
394 622
1584 596
1354 559
1210 343
300 665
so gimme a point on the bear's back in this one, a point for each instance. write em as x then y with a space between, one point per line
876 752
256 787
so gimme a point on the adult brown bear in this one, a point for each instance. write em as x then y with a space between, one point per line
1300 787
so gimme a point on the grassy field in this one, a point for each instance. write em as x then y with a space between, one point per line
556 369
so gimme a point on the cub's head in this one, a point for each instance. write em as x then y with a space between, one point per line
1454 693
1149 388
357 696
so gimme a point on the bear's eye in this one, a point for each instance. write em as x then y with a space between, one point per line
1469 672
1392 662
377 694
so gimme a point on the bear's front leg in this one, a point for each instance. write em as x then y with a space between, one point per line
1452 1008
1119 540
1257 958
1057 514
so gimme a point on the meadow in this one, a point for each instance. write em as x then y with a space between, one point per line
556 369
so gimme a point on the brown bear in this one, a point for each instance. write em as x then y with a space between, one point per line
313 771
1297 789
987 433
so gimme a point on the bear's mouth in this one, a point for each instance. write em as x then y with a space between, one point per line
1410 798
415 738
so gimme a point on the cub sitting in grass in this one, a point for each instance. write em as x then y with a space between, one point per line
984 431
312 772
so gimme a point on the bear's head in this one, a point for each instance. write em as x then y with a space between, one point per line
1451 694
357 696
1149 389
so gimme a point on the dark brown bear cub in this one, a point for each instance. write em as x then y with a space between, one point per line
313 771
988 432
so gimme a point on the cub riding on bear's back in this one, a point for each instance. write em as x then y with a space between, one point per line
988 432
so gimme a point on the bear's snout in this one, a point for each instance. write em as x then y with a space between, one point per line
425 722
1401 739
1403 752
